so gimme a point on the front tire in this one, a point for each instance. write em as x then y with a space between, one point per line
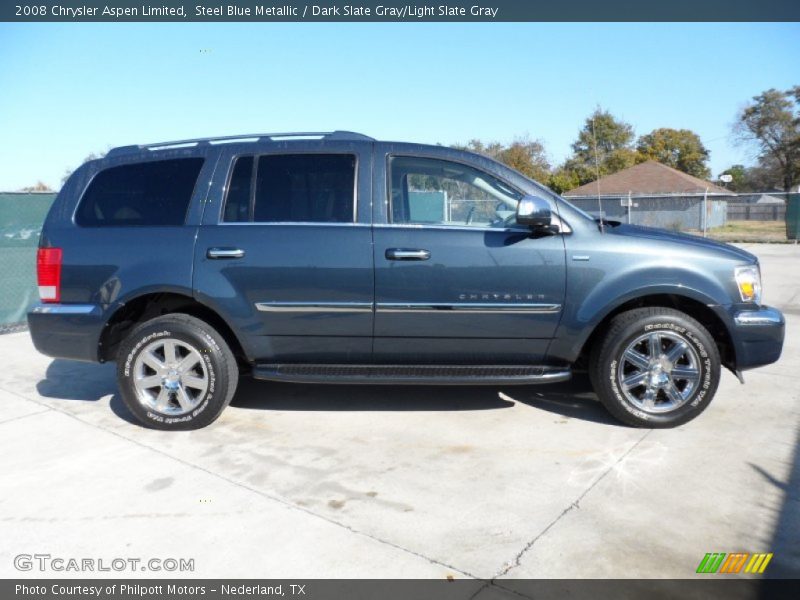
655 367
175 372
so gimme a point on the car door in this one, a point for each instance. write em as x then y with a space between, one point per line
456 280
285 251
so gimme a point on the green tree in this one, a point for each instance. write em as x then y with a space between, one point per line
771 123
528 157
604 144
562 180
677 148
491 149
764 177
523 154
738 180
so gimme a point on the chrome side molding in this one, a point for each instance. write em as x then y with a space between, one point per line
411 307
312 307
478 307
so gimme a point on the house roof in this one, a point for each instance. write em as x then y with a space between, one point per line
649 177
767 199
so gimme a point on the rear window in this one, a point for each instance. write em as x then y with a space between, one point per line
150 193
317 188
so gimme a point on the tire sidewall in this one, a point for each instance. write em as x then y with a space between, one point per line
709 368
213 401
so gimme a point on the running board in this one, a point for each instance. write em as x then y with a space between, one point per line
412 374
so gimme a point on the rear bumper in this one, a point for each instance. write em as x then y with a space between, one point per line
67 330
757 336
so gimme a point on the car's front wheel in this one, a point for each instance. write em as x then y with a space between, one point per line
655 367
176 372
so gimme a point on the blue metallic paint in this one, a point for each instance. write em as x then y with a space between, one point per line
586 272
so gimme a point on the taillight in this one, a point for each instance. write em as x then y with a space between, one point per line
48 274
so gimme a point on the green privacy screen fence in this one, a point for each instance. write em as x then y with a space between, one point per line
21 218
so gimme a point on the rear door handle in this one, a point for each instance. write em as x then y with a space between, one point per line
225 253
407 254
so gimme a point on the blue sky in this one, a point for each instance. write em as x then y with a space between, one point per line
70 89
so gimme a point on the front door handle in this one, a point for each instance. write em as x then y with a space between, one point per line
225 253
407 254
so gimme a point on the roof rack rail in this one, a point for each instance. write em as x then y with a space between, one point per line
343 136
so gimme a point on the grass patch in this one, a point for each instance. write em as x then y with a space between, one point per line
750 231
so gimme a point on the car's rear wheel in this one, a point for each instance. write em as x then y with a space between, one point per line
176 372
655 367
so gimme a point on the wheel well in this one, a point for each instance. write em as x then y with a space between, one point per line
149 306
697 310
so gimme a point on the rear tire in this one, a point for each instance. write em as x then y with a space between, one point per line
176 372
655 367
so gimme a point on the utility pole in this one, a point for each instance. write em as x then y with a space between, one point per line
705 212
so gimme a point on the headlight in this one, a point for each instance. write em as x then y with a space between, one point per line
749 281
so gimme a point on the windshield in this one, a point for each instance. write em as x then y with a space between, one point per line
543 190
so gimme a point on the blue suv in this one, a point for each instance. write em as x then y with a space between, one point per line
336 258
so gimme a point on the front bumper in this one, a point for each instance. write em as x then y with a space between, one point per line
757 336
67 330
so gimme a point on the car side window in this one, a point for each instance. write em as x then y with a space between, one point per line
439 192
286 188
154 193
237 204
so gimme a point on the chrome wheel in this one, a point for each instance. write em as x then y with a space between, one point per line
170 377
659 371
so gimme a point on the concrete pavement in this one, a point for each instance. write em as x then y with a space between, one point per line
314 481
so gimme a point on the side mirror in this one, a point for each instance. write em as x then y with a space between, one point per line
533 212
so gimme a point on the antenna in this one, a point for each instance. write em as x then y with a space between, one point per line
597 169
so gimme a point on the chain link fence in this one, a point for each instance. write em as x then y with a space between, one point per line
21 218
686 212
676 212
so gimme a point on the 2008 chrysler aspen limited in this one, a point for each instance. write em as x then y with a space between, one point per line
337 258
